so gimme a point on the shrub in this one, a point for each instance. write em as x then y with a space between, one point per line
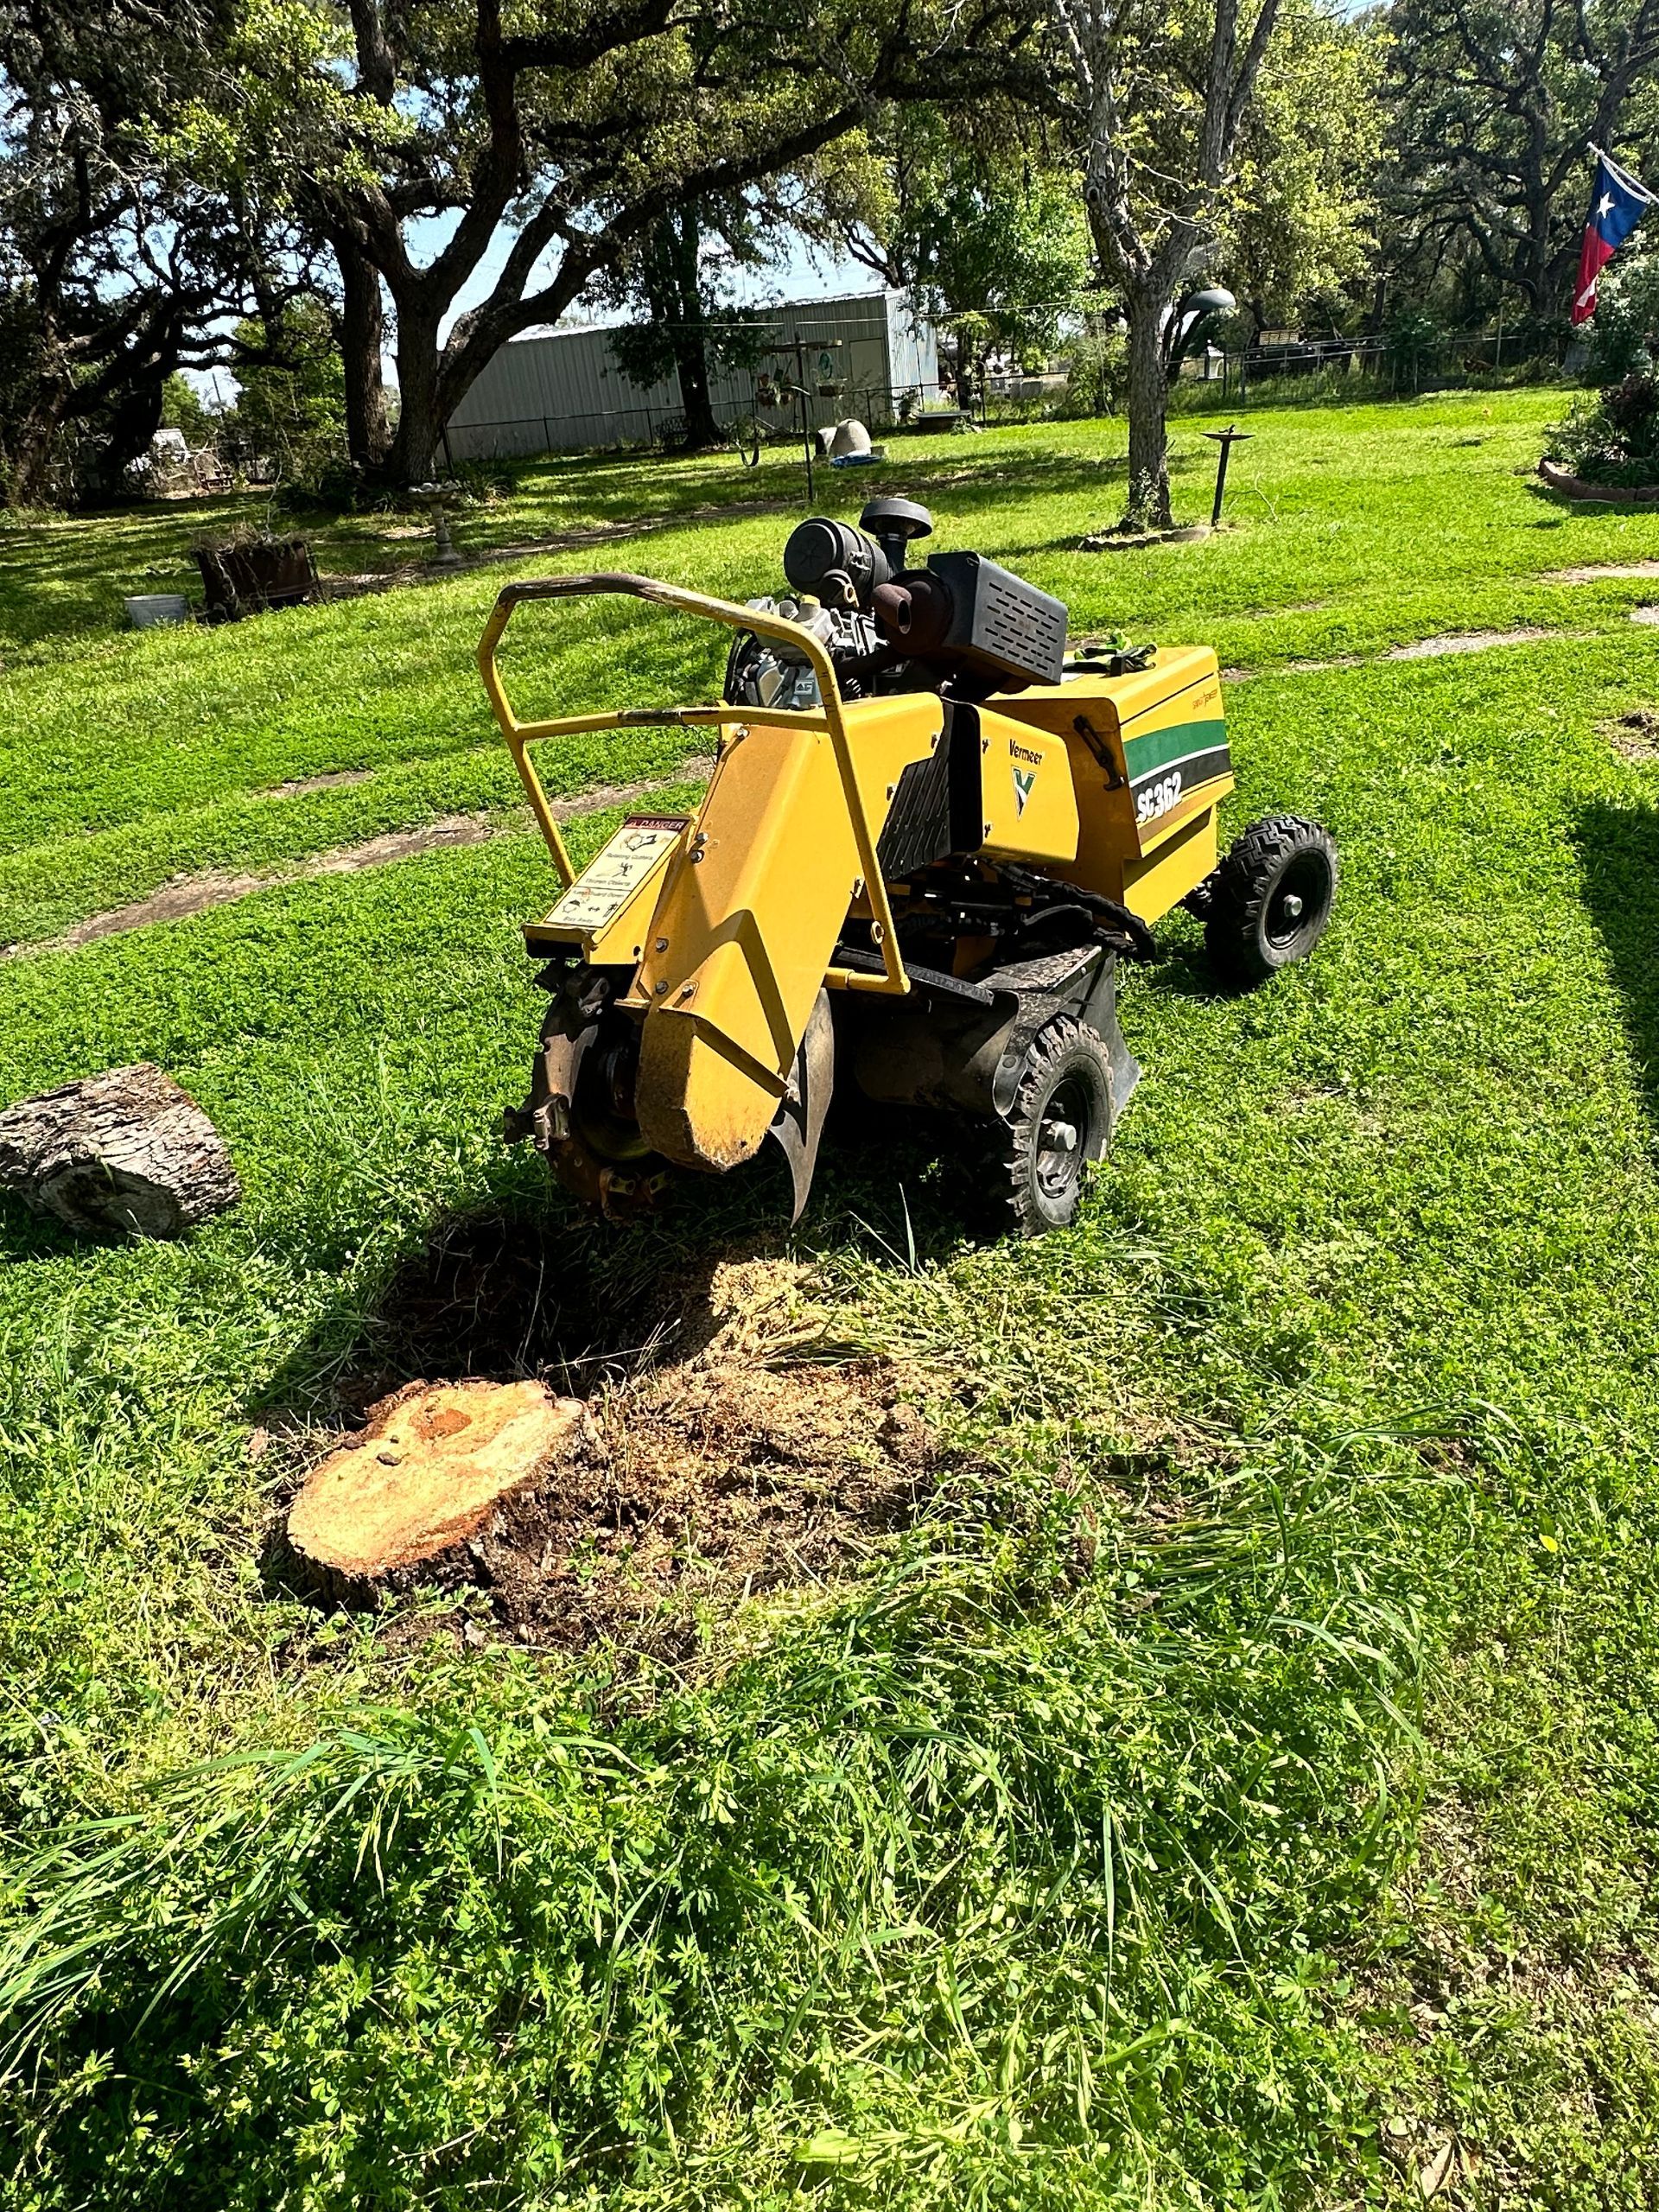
1414 339
1627 317
1612 437
1099 378
292 413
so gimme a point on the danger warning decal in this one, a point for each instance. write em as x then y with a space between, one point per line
610 878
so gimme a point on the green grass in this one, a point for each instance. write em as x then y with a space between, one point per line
1253 1788
1327 558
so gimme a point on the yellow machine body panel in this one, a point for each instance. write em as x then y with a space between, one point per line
1026 783
744 927
1150 764
887 890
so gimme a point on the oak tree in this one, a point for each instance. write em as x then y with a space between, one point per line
120 263
1494 106
574 131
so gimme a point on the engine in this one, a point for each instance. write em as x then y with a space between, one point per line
959 624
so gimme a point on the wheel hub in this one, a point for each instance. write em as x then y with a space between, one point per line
1296 898
1060 1141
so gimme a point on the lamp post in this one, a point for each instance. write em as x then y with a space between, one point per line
1192 309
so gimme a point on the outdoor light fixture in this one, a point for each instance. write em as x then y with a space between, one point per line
1192 309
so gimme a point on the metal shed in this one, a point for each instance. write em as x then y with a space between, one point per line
560 389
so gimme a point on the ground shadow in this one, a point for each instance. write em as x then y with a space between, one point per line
501 1292
533 1284
1184 970
1561 510
1618 855
26 1235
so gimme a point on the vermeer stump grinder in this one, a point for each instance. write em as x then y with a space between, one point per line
930 837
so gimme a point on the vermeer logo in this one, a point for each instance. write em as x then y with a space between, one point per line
1023 777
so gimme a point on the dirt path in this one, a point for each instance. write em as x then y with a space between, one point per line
1449 642
194 894
1605 572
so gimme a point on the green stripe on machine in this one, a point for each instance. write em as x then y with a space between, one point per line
1155 748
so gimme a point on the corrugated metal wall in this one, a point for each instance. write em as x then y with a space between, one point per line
563 389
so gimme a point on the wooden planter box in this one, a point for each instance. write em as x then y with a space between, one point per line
240 580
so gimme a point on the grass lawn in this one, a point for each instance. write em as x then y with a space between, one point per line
1240 1786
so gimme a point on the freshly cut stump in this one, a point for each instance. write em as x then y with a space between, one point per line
428 1474
127 1152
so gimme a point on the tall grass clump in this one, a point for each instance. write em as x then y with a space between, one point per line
1008 1879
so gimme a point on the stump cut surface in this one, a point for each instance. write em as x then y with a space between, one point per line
434 1462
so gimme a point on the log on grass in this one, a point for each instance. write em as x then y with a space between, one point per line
399 1503
127 1152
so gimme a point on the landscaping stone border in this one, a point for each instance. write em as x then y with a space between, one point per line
1575 488
1135 541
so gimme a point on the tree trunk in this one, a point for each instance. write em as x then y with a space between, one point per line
412 454
32 477
1532 257
692 363
362 336
403 1500
1148 506
134 421
680 240
124 1153
36 477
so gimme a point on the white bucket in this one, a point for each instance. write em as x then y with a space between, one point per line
149 607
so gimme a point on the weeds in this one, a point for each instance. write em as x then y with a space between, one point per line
918 1891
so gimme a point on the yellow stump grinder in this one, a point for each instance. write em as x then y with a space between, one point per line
930 837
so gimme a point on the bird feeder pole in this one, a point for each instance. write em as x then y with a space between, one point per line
1226 440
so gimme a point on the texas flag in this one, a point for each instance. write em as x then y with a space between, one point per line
1616 208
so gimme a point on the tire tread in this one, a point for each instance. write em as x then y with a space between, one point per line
1054 1043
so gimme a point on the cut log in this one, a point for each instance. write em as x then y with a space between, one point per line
127 1152
427 1474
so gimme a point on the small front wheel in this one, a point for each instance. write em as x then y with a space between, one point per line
1060 1120
1269 902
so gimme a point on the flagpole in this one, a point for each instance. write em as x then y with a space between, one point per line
1635 183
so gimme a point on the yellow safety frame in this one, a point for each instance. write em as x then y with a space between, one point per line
827 718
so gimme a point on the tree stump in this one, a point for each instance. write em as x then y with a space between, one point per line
126 1153
400 1502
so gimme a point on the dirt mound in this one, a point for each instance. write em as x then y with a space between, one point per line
706 1485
